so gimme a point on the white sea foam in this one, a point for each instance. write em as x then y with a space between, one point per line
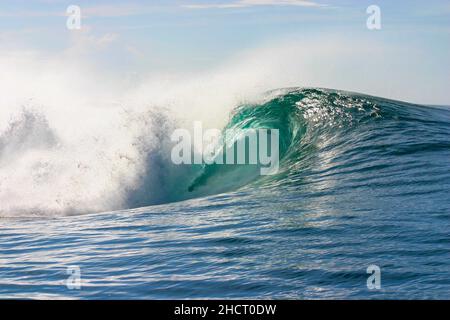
73 140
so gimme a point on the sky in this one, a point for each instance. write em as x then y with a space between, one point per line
323 43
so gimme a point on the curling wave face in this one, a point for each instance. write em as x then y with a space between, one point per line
324 130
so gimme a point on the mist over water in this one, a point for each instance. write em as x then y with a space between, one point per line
72 141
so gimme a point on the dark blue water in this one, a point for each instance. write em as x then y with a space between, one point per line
363 181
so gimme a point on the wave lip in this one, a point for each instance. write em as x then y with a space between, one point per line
302 116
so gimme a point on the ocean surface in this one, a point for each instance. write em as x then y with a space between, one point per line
362 181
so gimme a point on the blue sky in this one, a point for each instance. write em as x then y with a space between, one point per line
412 49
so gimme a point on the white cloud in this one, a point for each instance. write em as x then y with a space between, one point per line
116 10
252 3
